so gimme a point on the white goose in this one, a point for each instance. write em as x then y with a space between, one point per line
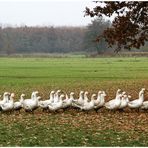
56 106
34 94
124 101
68 101
19 104
115 103
102 101
138 102
56 96
79 101
144 105
88 105
5 98
8 106
31 104
98 100
44 104
67 98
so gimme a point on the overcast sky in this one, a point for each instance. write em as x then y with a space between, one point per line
44 12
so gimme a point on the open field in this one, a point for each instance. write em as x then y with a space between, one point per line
74 128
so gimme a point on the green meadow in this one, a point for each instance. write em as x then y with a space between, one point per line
74 128
70 73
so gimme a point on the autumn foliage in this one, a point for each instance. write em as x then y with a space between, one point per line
130 25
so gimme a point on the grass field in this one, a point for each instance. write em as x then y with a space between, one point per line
74 128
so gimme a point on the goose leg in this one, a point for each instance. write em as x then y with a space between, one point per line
55 112
43 110
121 110
139 109
47 110
66 109
96 110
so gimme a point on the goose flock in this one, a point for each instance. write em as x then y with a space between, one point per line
58 100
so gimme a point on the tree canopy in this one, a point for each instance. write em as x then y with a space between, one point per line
130 24
95 28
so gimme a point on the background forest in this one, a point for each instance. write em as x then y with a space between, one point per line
66 39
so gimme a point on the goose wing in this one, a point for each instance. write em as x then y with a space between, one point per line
133 102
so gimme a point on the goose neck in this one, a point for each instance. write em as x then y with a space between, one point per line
51 96
11 99
141 96
118 98
6 98
71 97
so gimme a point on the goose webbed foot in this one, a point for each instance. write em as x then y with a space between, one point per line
98 109
121 110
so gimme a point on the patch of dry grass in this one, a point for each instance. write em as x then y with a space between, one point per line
74 128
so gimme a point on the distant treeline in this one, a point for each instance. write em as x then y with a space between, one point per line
41 39
53 39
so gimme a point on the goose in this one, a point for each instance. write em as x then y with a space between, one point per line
118 92
102 101
8 106
144 105
124 102
123 98
56 106
56 96
33 97
44 104
98 100
34 94
19 104
138 102
5 98
68 101
79 101
115 103
31 104
51 97
88 105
